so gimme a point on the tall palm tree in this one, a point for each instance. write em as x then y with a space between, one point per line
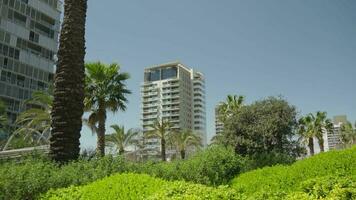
161 129
232 105
185 139
348 134
315 126
105 89
306 131
120 139
35 123
69 84
322 125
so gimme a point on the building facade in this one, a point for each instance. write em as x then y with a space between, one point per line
334 138
29 32
175 93
219 126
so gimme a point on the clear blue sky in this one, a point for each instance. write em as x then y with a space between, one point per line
304 50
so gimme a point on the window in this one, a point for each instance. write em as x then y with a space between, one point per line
169 73
33 37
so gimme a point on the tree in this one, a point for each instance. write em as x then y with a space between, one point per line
185 139
322 125
69 84
348 134
161 129
230 106
312 126
306 131
266 126
105 89
35 122
120 139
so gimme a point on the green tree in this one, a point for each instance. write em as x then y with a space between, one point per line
231 106
266 126
105 89
35 122
184 140
312 126
322 125
69 84
306 132
348 134
161 129
120 139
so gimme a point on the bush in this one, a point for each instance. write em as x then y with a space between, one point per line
279 181
27 178
136 186
214 166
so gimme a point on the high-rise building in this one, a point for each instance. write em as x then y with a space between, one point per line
333 138
219 126
29 32
175 93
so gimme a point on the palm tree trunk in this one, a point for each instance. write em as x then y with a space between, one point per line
101 135
67 108
321 145
163 149
182 154
311 145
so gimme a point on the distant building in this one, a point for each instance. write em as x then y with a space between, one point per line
334 138
175 93
219 126
29 32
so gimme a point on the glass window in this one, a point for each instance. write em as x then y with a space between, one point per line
168 73
153 75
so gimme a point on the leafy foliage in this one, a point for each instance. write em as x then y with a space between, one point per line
302 178
312 126
34 123
348 134
135 186
28 178
120 139
265 126
214 166
183 140
160 129
105 89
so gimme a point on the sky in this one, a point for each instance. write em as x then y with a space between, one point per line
304 50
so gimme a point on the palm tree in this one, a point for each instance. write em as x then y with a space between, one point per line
315 126
231 106
161 129
120 139
322 125
348 134
104 90
35 123
69 84
185 139
306 131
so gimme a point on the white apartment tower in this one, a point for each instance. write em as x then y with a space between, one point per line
29 32
175 93
219 126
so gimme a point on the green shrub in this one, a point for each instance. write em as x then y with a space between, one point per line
214 166
138 186
27 178
278 181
